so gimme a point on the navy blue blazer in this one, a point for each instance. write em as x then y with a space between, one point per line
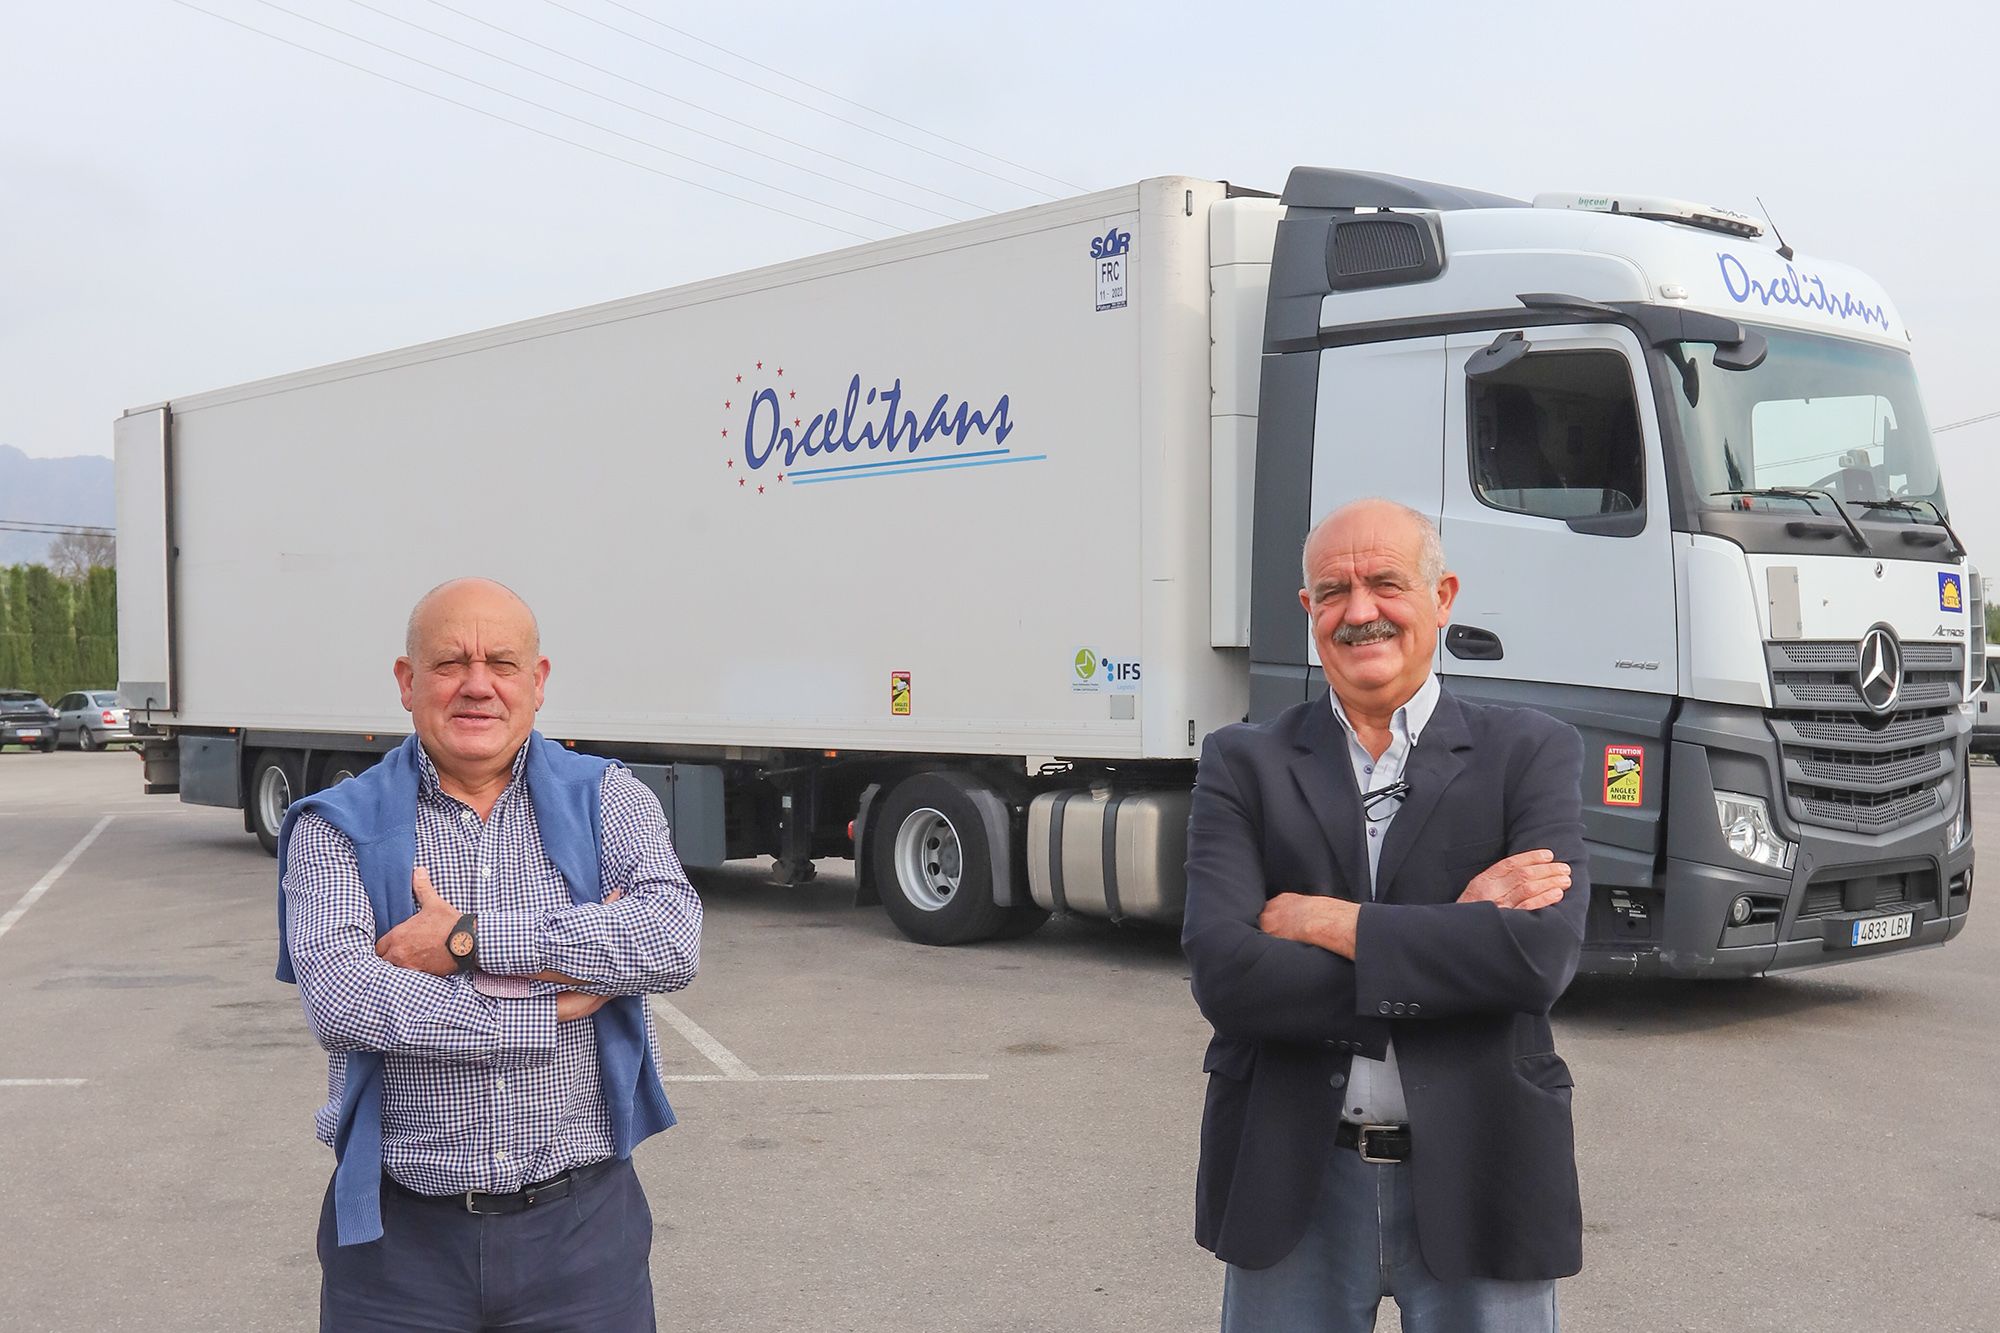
1464 989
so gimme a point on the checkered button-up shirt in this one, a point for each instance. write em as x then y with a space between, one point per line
482 1088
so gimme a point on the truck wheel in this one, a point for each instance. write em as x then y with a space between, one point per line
339 768
274 785
932 863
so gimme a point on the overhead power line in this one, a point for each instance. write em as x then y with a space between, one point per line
555 111
783 97
641 111
522 125
828 92
1969 421
707 110
55 529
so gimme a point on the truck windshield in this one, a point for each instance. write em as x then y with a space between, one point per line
1820 413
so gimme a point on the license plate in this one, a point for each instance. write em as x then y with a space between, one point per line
31 733
1882 929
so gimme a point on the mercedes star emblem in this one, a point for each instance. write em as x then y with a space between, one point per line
1881 675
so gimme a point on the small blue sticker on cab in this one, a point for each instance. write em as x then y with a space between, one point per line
1951 593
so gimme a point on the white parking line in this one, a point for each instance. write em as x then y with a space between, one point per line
42 885
735 1071
43 1082
826 1078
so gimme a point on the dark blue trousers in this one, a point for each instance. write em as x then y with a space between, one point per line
579 1263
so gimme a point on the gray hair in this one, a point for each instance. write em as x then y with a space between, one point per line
1430 546
417 613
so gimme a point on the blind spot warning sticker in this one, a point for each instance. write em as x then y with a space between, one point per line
1624 774
899 693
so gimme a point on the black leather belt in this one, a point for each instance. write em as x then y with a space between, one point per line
1375 1143
494 1205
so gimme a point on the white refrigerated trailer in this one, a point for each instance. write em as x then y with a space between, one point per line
944 552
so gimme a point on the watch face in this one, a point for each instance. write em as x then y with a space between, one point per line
460 944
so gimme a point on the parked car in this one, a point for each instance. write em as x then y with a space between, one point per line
1986 720
91 720
26 719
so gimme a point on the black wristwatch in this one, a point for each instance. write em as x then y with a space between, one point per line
463 943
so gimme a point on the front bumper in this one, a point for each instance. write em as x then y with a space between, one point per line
1694 939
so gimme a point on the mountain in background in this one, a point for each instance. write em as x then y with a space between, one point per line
51 490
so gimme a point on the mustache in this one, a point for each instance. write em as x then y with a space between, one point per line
1373 631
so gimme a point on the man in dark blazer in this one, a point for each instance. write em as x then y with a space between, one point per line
1386 894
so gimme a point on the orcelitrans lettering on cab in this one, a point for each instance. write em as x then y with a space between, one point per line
1806 290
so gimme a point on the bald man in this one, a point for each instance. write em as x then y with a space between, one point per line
473 925
1385 895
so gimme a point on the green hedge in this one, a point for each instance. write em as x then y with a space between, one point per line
57 636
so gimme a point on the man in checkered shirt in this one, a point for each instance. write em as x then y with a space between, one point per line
504 1199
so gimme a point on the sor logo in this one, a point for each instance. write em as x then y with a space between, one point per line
1111 243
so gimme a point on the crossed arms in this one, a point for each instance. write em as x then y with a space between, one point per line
1308 967
402 995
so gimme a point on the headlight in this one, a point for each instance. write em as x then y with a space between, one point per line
1746 827
1961 826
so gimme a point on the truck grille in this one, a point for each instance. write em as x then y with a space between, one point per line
1848 769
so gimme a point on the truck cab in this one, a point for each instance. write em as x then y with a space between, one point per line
1689 484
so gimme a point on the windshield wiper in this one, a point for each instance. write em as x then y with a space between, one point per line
1807 494
1918 507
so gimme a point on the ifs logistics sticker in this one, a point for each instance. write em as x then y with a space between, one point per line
1624 774
899 693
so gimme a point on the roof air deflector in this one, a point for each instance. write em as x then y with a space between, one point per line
1326 187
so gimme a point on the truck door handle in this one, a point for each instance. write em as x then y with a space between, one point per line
1474 645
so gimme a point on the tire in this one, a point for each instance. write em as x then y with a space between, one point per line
339 768
274 784
86 740
933 865
48 745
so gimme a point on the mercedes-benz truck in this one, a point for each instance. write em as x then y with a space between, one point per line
944 552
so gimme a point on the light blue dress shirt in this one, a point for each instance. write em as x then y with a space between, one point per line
1374 1092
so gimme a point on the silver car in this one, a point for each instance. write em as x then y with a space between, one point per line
91 720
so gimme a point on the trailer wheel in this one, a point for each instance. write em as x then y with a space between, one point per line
933 866
339 768
274 784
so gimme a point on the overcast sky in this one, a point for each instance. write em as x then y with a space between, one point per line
185 204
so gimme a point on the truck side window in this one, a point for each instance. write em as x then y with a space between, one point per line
1556 435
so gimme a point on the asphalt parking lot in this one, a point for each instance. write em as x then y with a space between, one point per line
877 1136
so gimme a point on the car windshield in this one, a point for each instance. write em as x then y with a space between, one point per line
1820 413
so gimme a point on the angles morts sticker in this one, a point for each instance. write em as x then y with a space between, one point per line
1624 774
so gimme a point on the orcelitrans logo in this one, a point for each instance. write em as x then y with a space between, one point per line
779 434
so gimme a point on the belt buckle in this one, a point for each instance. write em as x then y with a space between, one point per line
470 1207
1361 1143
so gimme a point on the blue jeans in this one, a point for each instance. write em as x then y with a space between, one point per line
571 1264
1360 1246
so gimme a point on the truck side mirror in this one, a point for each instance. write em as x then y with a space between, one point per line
1497 355
1747 354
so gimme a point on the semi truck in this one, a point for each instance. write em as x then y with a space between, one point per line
945 552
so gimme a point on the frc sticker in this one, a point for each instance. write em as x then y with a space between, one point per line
1624 774
899 693
1108 254
1951 593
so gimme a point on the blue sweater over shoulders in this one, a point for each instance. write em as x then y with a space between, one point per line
377 812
